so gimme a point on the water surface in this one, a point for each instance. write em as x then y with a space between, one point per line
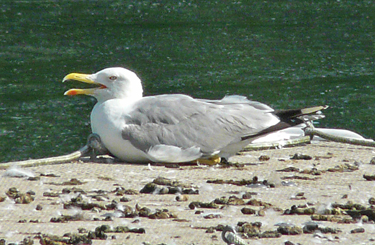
287 54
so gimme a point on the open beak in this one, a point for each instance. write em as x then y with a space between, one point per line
85 78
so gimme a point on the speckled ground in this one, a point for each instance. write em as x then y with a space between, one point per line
190 226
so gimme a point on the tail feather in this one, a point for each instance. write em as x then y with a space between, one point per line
290 118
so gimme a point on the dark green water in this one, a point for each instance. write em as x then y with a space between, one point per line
284 53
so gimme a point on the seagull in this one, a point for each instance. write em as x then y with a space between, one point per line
175 128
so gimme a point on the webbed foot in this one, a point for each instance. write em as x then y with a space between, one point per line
96 145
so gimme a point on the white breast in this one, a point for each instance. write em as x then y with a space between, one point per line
107 120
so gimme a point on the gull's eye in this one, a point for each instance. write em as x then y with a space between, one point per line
112 78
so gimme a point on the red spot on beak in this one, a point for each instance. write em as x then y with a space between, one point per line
71 92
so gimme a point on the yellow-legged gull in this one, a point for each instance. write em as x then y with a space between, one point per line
174 128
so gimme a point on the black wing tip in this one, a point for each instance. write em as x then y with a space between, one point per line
289 118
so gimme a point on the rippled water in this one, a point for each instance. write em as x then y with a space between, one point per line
284 53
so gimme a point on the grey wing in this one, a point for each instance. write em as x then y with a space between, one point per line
180 128
238 99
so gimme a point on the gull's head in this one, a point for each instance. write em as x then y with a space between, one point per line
114 82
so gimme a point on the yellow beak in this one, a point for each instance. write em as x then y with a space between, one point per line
85 78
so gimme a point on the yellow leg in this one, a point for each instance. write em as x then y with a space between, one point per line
210 161
202 161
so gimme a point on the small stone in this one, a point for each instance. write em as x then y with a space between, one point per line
24 199
344 168
149 188
290 230
261 213
95 210
255 202
111 205
108 218
325 230
124 199
82 230
38 207
250 229
121 229
36 178
31 193
248 211
104 228
365 219
247 195
100 198
369 177
270 234
73 181
194 205
160 215
299 194
181 220
164 190
264 158
213 216
12 192
51 194
131 192
300 211
106 178
210 230
138 230
232 200
144 212
358 230
288 169
288 243
49 175
299 156
120 191
182 198
27 241
310 227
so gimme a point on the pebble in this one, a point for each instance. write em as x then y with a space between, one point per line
299 156
248 211
264 158
182 198
358 230
369 177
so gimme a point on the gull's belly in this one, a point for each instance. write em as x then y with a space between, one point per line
119 147
109 128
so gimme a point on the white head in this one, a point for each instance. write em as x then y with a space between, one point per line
114 82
